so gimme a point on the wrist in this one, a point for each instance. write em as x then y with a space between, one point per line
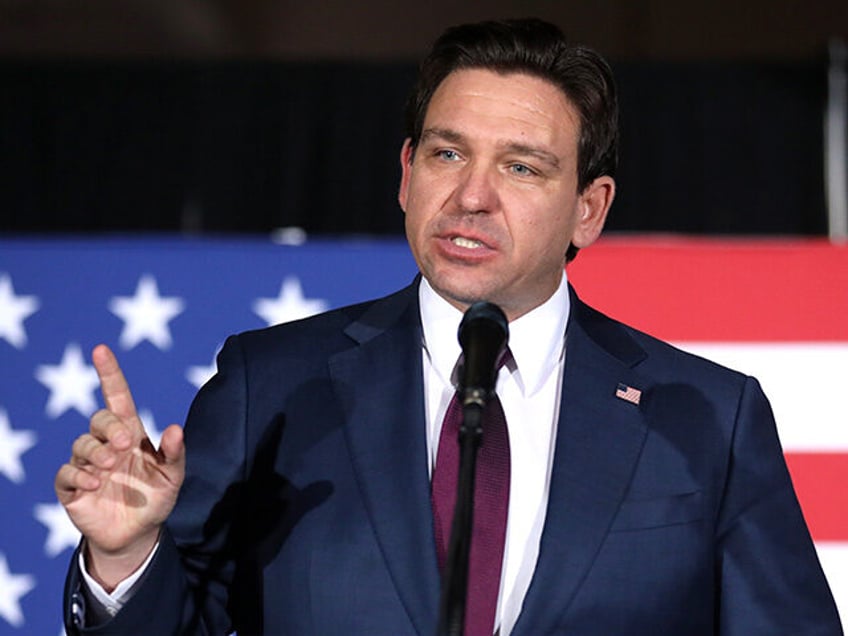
110 567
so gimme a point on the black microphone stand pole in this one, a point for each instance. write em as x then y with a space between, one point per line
455 579
483 334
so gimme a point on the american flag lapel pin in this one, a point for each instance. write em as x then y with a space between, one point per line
628 393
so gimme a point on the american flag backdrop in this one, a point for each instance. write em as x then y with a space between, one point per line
774 309
777 310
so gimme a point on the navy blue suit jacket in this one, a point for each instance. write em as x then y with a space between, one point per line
306 504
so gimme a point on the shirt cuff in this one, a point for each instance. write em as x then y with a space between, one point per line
123 592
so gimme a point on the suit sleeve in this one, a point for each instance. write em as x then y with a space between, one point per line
186 587
770 581
161 604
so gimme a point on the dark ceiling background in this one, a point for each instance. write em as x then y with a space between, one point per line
225 116
391 30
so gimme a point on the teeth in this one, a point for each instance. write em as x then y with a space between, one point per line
464 242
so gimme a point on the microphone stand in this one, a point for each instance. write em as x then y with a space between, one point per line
455 578
483 334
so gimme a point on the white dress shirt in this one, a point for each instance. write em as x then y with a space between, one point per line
529 390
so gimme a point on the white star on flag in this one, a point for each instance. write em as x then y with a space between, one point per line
198 375
289 305
61 533
13 444
146 315
72 384
12 588
13 311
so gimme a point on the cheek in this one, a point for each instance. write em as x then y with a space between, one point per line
554 250
545 236
413 200
422 200
414 222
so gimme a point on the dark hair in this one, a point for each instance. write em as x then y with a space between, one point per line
540 49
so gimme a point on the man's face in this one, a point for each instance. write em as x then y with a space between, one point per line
490 192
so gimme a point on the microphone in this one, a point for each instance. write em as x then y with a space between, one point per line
483 334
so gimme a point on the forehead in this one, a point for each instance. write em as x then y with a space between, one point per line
510 101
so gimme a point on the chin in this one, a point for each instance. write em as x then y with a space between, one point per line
464 295
463 285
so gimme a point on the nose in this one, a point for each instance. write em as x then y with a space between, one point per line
477 189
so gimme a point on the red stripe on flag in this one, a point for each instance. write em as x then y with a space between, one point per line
688 290
821 482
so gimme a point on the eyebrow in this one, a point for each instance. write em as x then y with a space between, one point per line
455 137
441 133
523 149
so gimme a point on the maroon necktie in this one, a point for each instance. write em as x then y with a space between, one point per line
491 501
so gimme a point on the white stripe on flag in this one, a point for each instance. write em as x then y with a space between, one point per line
805 383
834 560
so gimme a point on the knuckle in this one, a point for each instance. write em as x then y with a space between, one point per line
83 450
103 415
79 446
100 420
65 477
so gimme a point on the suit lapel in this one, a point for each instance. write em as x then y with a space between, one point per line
380 386
599 440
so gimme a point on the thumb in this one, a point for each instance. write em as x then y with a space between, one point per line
172 446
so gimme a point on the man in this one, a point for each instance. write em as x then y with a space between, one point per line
648 493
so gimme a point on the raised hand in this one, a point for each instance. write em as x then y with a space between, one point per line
118 489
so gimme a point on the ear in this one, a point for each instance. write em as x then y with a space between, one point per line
592 207
406 155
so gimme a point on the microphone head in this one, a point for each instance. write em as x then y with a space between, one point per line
485 316
483 336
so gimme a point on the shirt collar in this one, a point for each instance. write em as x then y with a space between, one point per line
536 339
439 326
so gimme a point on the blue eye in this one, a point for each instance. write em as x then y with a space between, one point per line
448 155
521 170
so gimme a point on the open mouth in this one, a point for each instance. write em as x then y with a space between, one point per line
461 241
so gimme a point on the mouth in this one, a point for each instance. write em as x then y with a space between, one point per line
461 241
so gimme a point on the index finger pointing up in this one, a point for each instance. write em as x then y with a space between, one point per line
116 391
